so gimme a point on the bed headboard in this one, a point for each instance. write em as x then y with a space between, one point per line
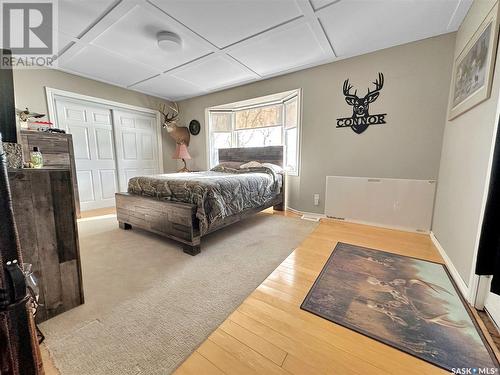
268 154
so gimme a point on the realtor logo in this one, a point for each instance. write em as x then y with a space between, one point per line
27 30
361 119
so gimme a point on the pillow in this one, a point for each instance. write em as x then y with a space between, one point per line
227 166
274 167
251 164
231 164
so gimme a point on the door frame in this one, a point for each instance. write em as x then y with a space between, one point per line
52 94
479 285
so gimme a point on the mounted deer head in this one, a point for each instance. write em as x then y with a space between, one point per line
361 105
170 118
180 134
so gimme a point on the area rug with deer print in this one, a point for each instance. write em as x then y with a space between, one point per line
408 303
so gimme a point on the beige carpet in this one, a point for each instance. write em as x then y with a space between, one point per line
149 305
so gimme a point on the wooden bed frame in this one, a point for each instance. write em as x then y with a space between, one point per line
177 220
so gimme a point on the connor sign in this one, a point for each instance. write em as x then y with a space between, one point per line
361 119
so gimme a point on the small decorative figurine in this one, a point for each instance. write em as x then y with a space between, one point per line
36 158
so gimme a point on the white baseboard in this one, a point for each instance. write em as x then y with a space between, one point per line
305 213
464 289
91 218
314 215
385 226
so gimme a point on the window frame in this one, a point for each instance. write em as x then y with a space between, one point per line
298 127
297 94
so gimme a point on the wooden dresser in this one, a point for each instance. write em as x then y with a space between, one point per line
44 210
57 151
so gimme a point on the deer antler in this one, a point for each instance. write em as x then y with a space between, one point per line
379 83
347 89
170 117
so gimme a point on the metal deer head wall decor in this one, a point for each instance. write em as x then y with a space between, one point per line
361 119
179 133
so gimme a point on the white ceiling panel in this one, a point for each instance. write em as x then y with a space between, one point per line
214 72
168 87
280 49
232 42
76 16
134 36
103 65
224 22
357 27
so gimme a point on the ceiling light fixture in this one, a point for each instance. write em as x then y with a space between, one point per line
169 41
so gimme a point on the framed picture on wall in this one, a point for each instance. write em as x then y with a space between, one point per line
473 68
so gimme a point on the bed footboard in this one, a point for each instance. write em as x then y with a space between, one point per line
170 219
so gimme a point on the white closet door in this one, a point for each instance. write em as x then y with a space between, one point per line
136 145
92 131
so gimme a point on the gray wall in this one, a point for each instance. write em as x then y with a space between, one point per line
29 88
417 80
464 164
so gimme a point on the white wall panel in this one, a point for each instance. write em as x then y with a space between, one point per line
81 143
147 146
85 186
75 114
127 122
141 123
101 118
108 183
395 203
104 144
129 145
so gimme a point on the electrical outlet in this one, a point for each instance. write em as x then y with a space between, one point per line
316 199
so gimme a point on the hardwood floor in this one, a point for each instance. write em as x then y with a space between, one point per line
270 334
98 212
490 326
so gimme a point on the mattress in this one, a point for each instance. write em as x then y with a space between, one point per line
217 195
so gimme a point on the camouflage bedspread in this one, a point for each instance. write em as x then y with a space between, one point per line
216 194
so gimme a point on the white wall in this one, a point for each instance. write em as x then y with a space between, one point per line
417 80
467 145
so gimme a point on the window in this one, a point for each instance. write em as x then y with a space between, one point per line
261 124
220 134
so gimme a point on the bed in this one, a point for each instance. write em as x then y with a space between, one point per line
187 206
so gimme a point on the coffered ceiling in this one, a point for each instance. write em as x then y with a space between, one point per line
227 43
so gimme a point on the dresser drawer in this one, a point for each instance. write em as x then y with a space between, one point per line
48 143
56 160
